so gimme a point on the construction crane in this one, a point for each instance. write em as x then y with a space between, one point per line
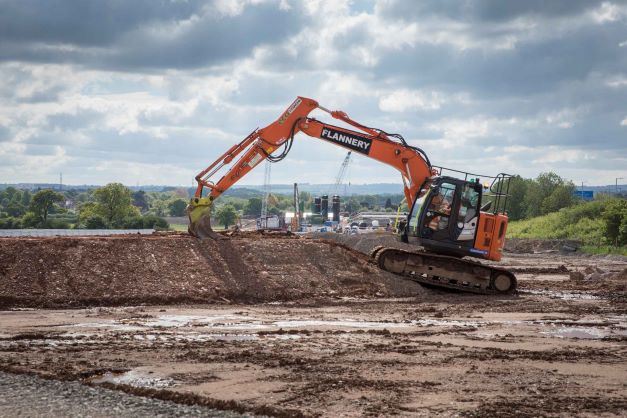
295 224
263 217
335 189
447 222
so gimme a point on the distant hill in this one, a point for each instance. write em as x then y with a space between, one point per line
247 191
244 191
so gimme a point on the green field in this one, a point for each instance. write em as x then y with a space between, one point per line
586 222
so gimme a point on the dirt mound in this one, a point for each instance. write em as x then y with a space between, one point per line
534 246
59 272
364 243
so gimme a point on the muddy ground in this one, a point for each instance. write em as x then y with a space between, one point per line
383 347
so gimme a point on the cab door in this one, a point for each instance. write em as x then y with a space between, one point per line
438 220
468 210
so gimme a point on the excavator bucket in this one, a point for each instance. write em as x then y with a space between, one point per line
199 213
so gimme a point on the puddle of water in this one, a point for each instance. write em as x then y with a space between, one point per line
338 323
216 321
588 333
448 323
134 378
561 295
109 324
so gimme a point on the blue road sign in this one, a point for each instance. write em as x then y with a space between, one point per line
585 194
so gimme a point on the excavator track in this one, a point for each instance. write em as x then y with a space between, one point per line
444 271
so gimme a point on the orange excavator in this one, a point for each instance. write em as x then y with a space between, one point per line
453 215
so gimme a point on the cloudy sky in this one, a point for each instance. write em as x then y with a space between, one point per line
152 91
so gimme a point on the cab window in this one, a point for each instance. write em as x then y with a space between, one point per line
469 204
439 211
415 213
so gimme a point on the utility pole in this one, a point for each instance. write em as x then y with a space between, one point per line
266 195
617 178
60 181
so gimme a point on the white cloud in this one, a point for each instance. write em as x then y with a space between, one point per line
617 81
430 78
558 154
404 100
609 12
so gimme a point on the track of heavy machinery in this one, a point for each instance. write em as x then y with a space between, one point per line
444 271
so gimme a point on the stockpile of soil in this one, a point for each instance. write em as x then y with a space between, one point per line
364 243
68 271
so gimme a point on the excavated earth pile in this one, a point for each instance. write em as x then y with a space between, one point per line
364 243
72 272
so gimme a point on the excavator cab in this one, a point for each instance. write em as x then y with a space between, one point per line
460 217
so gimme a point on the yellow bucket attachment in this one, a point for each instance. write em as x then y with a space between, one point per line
199 213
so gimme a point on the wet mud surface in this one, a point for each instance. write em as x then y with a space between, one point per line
557 348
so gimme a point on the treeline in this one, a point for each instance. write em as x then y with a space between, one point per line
545 194
116 206
110 206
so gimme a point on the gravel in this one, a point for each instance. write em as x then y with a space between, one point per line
31 396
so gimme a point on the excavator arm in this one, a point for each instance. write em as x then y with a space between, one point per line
261 144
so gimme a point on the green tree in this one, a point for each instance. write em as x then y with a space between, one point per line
114 203
253 207
26 198
615 219
15 208
159 204
177 207
516 199
42 202
95 222
140 200
152 221
562 196
547 193
352 205
226 215
88 210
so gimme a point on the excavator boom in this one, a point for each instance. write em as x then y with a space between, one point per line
260 145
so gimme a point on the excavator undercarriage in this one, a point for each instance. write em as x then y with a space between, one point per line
444 271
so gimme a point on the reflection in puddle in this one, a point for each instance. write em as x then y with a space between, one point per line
560 295
447 323
134 378
587 333
338 323
236 327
